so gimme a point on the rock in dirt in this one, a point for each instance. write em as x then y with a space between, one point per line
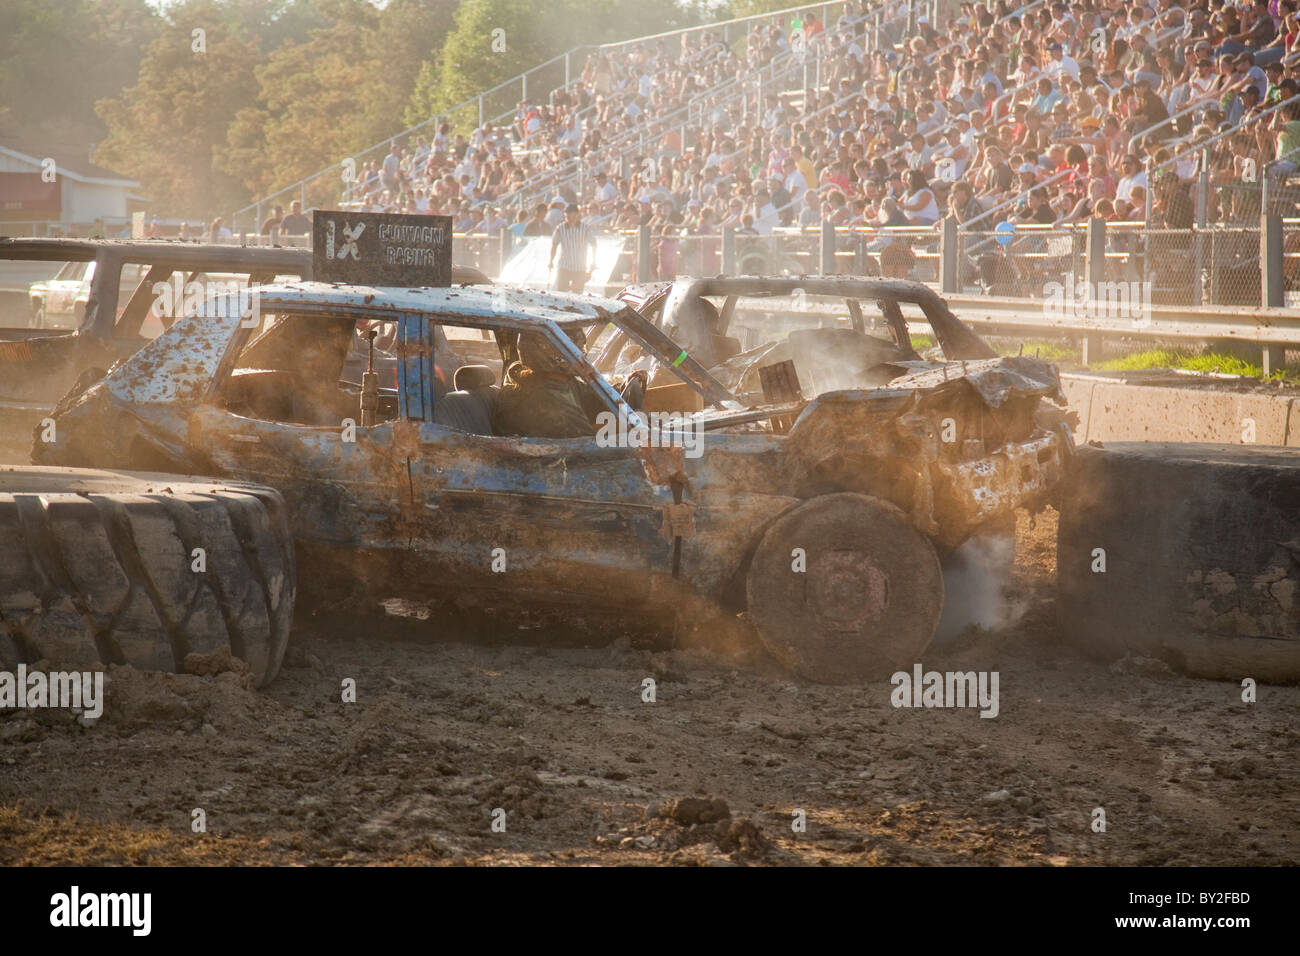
210 665
741 836
689 810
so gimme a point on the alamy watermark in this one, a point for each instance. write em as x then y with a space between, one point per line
660 430
76 909
79 690
213 298
1098 300
948 689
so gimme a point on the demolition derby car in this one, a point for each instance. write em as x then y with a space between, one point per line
817 322
820 517
102 299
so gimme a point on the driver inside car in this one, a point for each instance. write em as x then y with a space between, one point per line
541 398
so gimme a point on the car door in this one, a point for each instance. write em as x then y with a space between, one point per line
560 521
346 488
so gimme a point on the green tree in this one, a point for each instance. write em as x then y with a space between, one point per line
341 90
165 129
749 8
474 58
58 56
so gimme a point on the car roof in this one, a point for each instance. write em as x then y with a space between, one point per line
157 250
852 287
204 256
497 306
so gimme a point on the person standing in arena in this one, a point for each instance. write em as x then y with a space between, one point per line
573 239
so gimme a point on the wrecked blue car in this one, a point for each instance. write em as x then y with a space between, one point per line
814 523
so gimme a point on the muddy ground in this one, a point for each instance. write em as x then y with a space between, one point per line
444 732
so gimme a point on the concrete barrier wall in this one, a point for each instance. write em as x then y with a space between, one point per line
1118 412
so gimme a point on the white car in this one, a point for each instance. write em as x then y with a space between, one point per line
60 302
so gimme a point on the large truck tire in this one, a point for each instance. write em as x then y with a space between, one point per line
107 567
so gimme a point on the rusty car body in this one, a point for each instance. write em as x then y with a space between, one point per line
39 364
105 310
824 324
421 506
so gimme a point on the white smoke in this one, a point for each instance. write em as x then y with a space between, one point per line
976 579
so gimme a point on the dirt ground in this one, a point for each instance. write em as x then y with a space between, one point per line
443 732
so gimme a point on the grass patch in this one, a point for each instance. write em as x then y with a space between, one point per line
1067 355
1060 352
1191 360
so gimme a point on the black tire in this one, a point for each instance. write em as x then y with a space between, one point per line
1202 557
869 600
96 569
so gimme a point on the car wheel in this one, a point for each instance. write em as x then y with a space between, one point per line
1184 553
844 588
37 320
100 567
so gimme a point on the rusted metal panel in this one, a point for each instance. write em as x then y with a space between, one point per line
996 380
780 384
970 493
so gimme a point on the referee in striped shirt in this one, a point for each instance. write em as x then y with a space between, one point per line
572 239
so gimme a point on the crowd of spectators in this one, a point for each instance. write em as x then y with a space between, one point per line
1052 113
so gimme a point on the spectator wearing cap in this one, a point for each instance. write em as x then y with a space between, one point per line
1202 82
555 213
1252 73
955 151
576 245
1059 63
1028 174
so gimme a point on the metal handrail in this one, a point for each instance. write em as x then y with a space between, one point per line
1218 136
774 14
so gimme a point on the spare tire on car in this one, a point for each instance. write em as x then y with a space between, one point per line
1187 553
109 567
